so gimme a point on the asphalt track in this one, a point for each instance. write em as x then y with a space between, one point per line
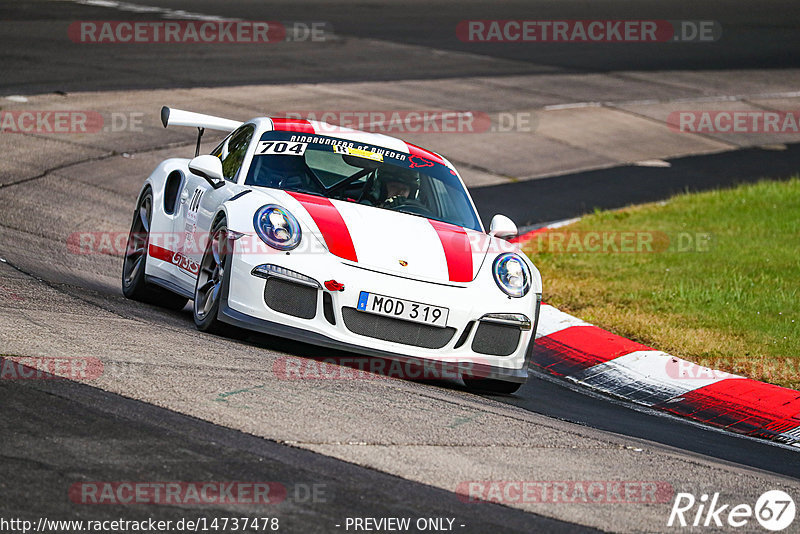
150 443
58 432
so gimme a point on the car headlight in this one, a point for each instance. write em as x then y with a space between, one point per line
512 275
277 227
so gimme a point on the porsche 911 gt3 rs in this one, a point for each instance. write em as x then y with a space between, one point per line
335 237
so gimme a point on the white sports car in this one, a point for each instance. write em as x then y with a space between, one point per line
339 238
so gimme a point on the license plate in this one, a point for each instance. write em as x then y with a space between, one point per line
403 309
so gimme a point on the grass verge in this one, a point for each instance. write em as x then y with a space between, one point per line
710 277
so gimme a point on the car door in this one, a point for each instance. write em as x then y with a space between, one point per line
199 203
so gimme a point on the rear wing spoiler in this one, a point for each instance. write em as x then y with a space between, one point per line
178 117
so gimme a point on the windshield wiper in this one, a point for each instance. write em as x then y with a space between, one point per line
307 192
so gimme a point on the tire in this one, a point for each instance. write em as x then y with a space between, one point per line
208 289
491 385
134 285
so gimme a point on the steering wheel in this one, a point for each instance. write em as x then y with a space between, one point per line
392 203
414 207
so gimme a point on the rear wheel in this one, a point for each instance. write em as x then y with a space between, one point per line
491 385
208 291
134 285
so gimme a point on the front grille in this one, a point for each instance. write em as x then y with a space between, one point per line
495 339
396 330
297 300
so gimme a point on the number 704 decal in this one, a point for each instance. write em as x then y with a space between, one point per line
281 148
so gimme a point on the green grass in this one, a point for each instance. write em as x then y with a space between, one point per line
733 305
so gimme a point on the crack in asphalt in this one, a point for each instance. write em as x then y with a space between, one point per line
102 157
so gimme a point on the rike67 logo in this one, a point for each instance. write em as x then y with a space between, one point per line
774 510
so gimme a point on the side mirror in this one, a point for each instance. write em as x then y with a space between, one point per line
502 227
210 168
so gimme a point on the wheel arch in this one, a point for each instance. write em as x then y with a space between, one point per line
147 186
238 211
221 214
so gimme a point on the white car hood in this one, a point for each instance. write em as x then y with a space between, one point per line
390 241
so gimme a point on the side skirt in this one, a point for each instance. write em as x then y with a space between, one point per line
171 286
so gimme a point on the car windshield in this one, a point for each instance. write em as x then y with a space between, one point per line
358 172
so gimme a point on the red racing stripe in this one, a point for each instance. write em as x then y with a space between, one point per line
330 223
741 405
292 125
457 250
574 349
160 253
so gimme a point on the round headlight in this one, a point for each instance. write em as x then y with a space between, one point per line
277 227
512 275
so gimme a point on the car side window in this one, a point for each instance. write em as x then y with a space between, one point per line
232 150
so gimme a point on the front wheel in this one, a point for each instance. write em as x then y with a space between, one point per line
491 385
208 290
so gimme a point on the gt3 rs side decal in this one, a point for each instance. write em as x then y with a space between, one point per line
183 263
330 224
457 250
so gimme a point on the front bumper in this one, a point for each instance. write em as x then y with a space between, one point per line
243 304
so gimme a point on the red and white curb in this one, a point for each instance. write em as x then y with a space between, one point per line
585 354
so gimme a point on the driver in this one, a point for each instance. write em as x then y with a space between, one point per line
397 185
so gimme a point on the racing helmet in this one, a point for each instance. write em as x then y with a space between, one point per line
393 174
